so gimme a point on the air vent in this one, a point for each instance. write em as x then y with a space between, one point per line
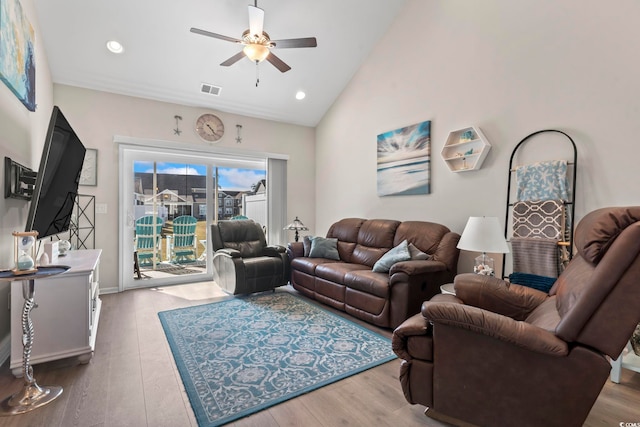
210 89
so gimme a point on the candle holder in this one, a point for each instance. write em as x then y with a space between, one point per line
24 252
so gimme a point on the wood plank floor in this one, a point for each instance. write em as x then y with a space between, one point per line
132 380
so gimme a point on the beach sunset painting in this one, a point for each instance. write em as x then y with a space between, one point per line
404 159
17 56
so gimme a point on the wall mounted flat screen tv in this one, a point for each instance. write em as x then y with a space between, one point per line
56 186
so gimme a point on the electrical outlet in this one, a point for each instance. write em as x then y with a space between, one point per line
101 208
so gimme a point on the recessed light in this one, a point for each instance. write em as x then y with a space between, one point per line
114 46
300 95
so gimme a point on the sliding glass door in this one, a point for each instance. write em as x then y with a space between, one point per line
169 198
170 218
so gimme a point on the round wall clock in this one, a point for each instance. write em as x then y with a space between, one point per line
209 127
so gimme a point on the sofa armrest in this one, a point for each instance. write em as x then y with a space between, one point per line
447 251
497 296
233 253
411 283
295 249
273 250
496 326
414 326
415 267
446 298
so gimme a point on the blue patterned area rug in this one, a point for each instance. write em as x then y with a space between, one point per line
242 355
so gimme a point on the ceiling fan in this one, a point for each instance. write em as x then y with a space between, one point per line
257 44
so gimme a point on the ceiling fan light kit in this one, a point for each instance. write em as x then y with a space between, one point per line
256 52
257 43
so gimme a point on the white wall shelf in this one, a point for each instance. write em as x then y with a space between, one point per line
465 149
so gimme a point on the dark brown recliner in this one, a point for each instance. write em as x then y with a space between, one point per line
506 355
243 263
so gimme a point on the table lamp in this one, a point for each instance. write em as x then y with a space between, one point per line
296 225
483 234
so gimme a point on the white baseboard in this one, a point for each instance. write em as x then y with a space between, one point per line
104 291
5 349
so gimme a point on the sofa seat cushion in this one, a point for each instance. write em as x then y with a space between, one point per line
336 271
369 282
308 265
546 315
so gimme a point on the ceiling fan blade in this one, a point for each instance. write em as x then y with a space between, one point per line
289 43
235 58
256 21
278 63
214 35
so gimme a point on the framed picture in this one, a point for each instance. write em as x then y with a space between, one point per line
17 56
404 160
89 174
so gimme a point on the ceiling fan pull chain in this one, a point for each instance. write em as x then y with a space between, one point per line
257 74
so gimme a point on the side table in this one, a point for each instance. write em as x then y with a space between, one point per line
32 395
447 289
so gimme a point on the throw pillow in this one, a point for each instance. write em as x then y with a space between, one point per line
306 244
417 253
324 248
397 254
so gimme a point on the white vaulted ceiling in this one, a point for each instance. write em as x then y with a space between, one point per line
164 61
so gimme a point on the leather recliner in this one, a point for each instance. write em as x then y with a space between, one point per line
243 263
497 354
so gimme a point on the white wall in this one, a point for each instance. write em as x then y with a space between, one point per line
98 116
22 136
510 68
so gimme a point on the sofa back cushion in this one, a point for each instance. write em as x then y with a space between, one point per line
599 288
426 236
346 231
375 238
245 236
597 231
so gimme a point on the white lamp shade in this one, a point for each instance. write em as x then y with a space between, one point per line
483 234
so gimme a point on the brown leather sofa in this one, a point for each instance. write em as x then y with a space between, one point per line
506 355
383 299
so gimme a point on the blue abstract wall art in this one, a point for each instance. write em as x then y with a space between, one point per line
17 56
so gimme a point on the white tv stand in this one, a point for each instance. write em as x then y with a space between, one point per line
67 312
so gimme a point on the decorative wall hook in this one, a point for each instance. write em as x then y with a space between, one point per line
177 130
238 138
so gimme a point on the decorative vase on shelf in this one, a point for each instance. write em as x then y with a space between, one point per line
63 247
466 136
